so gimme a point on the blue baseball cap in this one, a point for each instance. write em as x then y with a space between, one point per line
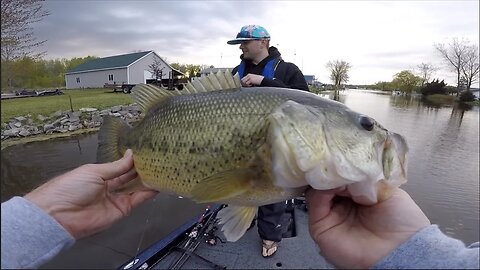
250 32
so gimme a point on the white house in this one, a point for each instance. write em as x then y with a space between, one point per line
129 68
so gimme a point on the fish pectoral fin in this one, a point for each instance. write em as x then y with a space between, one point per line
132 186
236 220
223 185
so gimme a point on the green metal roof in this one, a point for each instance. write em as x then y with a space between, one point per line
109 62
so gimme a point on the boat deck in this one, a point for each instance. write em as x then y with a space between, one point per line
297 252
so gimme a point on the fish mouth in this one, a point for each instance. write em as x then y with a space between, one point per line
365 185
394 159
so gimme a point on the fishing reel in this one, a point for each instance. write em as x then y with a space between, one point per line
212 237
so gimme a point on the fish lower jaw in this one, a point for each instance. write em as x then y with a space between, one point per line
365 190
372 192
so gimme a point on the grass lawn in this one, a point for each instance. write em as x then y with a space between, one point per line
81 98
474 103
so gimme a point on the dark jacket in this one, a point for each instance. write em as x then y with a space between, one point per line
272 219
287 75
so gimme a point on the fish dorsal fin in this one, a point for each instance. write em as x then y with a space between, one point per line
213 82
146 95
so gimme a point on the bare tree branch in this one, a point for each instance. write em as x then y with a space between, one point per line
17 16
338 71
453 55
17 39
157 70
471 65
426 71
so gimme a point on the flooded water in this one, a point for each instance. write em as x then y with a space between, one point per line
443 165
27 166
443 172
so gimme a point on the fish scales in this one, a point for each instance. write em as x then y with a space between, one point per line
188 138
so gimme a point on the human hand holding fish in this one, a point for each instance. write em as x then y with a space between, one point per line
82 200
351 235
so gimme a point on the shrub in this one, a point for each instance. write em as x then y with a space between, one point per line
467 96
435 87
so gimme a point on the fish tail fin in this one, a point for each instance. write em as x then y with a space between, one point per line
109 138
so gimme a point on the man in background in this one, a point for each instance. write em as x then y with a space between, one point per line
262 65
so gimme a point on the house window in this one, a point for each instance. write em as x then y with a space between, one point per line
78 80
110 77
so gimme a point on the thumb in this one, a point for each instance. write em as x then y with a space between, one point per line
319 203
116 168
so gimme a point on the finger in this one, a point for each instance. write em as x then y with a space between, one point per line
243 82
319 203
116 168
334 212
122 179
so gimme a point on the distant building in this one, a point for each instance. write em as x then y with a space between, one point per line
129 68
310 79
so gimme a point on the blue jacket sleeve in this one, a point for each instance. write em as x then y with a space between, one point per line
30 237
431 249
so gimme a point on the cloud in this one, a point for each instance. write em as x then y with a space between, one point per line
379 38
80 28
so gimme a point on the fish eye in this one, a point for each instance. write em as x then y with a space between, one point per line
367 122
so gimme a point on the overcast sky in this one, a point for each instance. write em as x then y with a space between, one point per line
378 38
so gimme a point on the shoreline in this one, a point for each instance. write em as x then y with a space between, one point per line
43 137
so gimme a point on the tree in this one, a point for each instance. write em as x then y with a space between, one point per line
180 67
435 87
157 69
338 72
471 65
383 86
17 39
406 81
34 72
192 70
467 96
426 71
76 61
454 55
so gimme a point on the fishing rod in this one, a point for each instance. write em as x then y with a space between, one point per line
185 239
193 235
202 229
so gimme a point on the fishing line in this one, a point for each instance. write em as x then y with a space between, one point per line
146 226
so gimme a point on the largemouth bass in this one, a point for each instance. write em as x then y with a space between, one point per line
218 142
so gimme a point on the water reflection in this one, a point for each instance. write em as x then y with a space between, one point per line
27 166
443 156
399 101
